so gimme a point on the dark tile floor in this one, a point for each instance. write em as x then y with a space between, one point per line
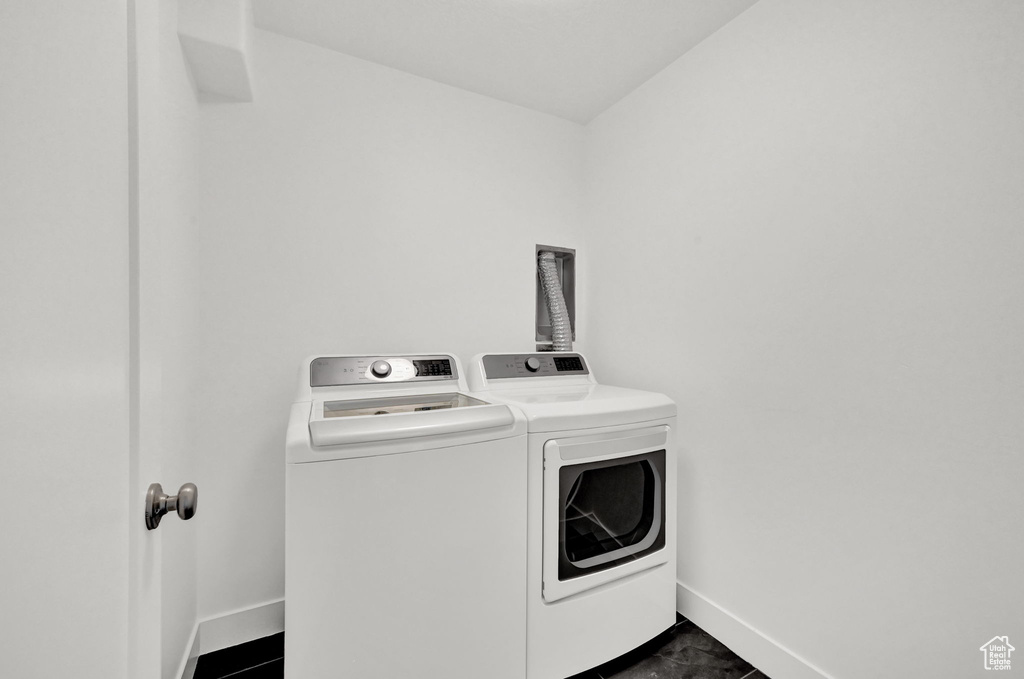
257 659
683 652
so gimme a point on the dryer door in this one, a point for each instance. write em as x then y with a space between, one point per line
604 508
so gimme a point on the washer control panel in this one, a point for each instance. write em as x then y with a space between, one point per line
336 371
500 366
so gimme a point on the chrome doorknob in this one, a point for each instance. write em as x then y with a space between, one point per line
159 503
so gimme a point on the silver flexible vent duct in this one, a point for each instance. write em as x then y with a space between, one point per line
561 329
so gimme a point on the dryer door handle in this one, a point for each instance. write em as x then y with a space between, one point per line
597 448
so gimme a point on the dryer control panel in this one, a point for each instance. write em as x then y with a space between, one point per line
336 371
500 366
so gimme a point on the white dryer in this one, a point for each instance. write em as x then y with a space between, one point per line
405 524
601 556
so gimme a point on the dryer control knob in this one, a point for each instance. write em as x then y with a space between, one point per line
380 368
532 364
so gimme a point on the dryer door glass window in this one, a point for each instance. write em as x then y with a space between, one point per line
611 512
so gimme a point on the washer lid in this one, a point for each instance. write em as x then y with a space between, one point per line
384 419
585 406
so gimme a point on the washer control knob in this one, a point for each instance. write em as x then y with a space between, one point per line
532 364
380 368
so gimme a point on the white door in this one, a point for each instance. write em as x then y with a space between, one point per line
83 400
65 342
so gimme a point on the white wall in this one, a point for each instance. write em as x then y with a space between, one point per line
169 332
63 338
818 212
351 208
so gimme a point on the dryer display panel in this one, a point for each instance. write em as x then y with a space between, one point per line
503 366
568 364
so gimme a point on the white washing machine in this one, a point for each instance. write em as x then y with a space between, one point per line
601 509
405 526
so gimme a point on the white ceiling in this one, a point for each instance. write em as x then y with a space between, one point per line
570 58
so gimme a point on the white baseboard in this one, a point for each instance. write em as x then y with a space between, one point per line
237 627
759 650
230 629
